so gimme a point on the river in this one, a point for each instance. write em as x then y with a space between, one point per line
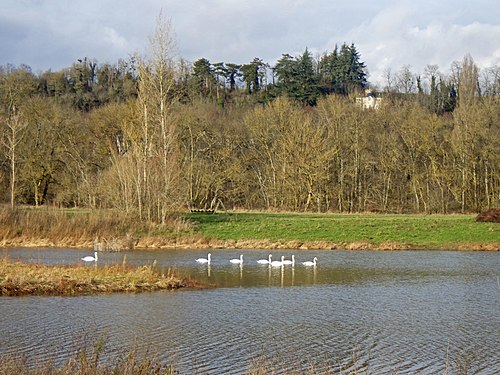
377 312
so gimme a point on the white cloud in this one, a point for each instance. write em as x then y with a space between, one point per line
402 36
114 39
388 33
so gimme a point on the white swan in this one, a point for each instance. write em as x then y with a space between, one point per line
204 260
237 261
309 263
288 261
89 258
265 261
278 263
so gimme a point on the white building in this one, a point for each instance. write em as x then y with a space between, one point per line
369 101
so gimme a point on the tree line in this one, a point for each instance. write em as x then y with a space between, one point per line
154 134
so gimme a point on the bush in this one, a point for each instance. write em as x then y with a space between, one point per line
490 216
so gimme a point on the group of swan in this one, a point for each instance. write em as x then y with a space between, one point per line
269 261
273 263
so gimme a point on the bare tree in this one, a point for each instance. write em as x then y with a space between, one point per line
153 152
15 131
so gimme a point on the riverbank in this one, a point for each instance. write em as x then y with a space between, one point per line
112 231
21 279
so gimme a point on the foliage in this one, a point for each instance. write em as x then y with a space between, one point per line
156 134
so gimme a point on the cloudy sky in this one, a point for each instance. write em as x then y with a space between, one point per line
53 34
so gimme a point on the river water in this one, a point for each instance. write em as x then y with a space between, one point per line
405 312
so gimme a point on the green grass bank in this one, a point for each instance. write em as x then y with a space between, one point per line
350 231
110 230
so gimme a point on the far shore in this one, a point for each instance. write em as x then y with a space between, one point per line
207 244
106 230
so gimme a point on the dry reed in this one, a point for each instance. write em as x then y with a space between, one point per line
18 279
106 229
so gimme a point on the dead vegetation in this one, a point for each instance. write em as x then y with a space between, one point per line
489 216
20 279
103 230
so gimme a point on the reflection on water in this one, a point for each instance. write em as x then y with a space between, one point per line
410 312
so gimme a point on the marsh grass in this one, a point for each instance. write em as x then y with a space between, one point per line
87 361
19 279
82 228
92 357
90 360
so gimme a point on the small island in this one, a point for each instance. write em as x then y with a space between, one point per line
21 279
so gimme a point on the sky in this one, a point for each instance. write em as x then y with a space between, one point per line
389 34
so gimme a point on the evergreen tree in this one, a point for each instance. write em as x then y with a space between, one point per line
342 72
286 71
233 72
308 80
203 76
297 78
253 74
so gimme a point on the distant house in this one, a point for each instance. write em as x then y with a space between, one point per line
369 101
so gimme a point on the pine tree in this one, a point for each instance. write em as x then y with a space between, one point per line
297 78
342 72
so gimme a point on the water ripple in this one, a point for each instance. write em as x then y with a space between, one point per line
367 312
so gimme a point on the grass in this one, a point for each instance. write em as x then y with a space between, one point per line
19 279
88 360
82 228
115 231
344 230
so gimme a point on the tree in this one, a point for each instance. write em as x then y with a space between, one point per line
15 127
405 80
253 75
233 72
288 156
203 74
17 85
297 78
471 134
82 79
150 167
342 72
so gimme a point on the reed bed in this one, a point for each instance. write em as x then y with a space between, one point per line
87 362
106 229
20 279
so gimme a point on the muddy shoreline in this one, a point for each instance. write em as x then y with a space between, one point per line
158 243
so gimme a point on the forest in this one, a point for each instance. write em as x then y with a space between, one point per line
153 135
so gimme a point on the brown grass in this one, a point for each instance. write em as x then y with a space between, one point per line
489 216
19 279
109 230
87 361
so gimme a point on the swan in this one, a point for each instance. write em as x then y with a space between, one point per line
292 262
278 263
309 263
237 261
204 260
265 261
89 258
